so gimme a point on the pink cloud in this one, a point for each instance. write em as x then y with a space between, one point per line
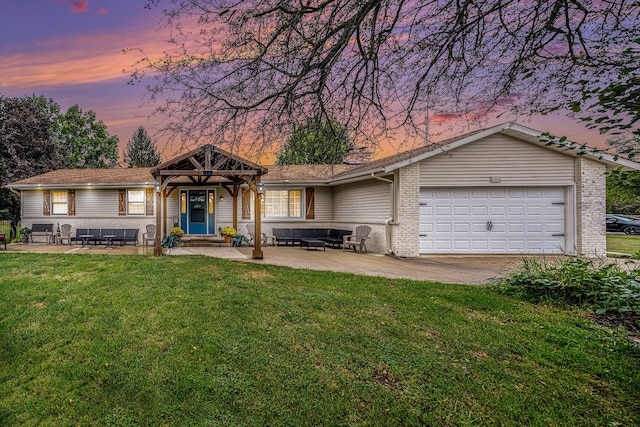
442 118
79 6
103 11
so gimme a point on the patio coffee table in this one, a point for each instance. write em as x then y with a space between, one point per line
312 243
85 240
109 241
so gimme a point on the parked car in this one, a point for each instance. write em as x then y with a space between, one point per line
624 223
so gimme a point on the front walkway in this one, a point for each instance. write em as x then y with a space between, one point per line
464 269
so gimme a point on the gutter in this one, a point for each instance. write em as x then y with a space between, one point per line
388 221
84 186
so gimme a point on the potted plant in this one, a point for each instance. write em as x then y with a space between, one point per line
24 234
176 231
227 233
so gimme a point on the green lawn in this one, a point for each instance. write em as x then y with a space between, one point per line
623 244
179 341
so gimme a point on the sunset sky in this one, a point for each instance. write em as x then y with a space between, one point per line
74 53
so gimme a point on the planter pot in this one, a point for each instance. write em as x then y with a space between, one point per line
227 239
24 238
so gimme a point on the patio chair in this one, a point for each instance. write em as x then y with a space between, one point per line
357 239
149 236
251 231
65 234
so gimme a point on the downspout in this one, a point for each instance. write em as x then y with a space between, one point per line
388 221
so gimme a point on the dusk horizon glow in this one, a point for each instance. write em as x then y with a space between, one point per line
83 52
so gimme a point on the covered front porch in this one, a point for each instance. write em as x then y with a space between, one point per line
200 192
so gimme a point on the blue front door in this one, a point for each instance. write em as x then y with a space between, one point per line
197 212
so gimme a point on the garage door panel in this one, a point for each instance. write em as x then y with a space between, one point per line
461 245
461 211
443 228
523 220
516 211
480 245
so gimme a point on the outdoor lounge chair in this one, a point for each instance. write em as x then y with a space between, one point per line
149 236
65 234
357 239
251 231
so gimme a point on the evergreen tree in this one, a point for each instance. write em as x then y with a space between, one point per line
141 151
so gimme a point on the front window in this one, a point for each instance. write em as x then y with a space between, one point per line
59 202
282 204
135 202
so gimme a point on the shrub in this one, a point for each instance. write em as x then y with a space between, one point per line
603 288
169 241
239 239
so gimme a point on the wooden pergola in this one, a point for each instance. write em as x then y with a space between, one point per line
208 165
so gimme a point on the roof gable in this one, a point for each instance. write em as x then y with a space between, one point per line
209 161
523 133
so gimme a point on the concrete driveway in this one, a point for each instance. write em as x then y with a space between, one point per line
473 270
464 269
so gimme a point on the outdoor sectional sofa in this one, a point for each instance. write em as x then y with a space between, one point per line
123 235
330 236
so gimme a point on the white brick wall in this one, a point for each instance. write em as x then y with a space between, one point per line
591 209
406 232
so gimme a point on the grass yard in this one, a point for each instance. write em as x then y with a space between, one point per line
623 243
194 341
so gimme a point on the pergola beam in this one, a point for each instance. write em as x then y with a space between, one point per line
216 172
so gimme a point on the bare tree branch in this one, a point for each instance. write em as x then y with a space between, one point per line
251 70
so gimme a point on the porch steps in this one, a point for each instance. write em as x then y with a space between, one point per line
202 241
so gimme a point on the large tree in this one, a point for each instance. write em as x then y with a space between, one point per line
141 151
86 142
27 144
612 104
258 68
35 137
623 192
316 142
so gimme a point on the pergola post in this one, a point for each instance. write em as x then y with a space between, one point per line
234 196
257 241
157 247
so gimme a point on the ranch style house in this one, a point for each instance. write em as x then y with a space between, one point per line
500 190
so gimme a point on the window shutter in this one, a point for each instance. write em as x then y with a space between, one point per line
310 201
149 200
246 203
122 202
46 202
71 202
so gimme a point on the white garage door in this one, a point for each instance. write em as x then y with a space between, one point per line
492 220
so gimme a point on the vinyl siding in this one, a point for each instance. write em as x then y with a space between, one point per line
31 204
97 203
367 201
515 162
323 206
